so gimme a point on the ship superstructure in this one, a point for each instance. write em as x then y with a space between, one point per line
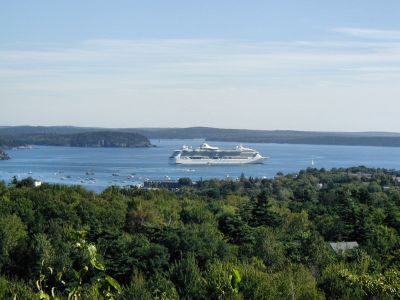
208 155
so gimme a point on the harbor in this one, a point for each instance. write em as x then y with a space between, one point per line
98 168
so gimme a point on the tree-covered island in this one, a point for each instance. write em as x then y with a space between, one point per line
98 139
84 139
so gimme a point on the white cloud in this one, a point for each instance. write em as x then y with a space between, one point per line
193 62
369 33
183 82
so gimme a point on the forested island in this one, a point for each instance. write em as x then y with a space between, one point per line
83 139
315 234
384 139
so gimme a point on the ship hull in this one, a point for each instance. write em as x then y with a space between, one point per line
221 161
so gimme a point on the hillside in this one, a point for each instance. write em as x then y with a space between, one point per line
385 139
108 139
84 139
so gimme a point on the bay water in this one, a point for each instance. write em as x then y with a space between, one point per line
97 168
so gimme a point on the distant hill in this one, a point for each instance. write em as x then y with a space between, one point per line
17 130
387 139
277 136
108 139
83 139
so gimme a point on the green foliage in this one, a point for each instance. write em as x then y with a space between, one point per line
13 289
222 280
26 182
257 284
137 289
381 285
12 230
261 213
185 181
196 214
90 280
290 283
218 239
128 253
163 288
188 279
269 248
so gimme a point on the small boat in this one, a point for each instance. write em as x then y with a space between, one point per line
24 147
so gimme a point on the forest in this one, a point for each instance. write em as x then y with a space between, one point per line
249 238
82 139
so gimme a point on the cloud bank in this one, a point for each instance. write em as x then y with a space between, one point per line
312 85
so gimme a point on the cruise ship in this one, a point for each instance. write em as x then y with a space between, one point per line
208 155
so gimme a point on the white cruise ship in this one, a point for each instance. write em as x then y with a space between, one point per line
208 155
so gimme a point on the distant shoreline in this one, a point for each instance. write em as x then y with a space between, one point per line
93 139
41 135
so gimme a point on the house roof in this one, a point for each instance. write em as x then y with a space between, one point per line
343 246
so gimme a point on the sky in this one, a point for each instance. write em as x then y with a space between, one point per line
289 64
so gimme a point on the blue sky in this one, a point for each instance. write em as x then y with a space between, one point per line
307 65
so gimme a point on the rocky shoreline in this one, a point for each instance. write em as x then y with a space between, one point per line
3 155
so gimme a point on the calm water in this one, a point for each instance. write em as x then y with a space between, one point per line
97 168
